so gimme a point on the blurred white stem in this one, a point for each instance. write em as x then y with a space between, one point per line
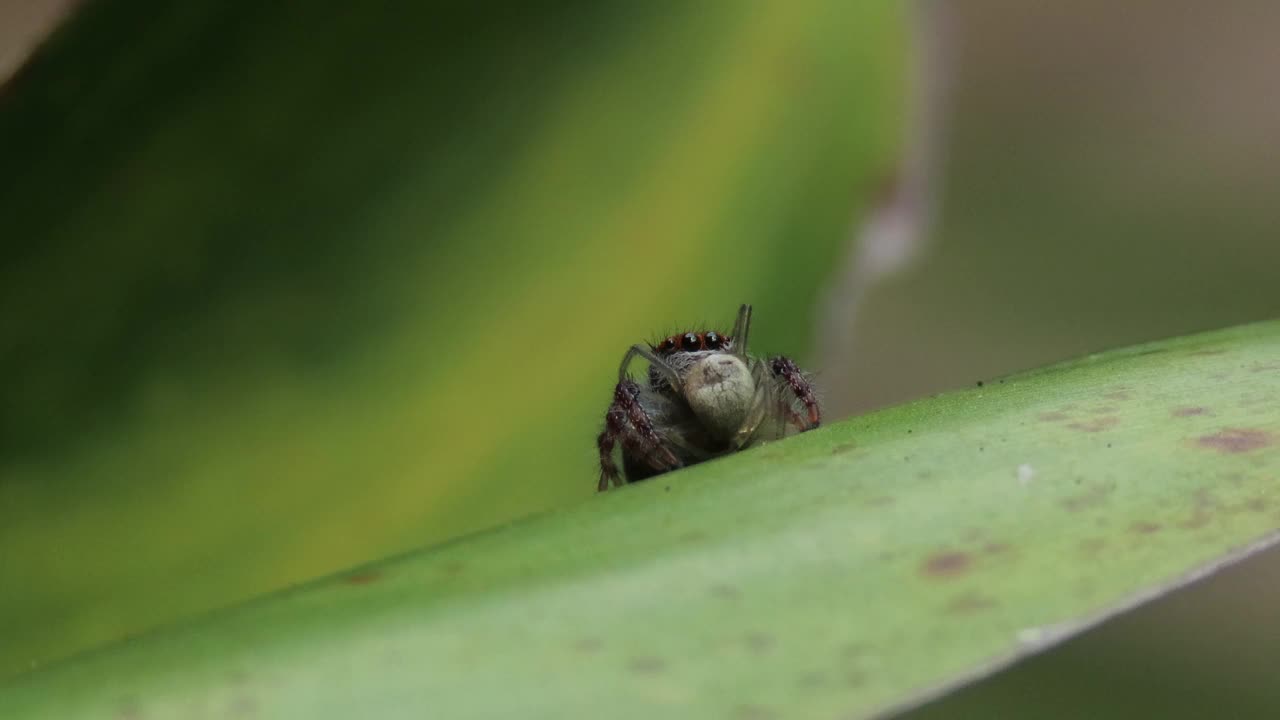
895 228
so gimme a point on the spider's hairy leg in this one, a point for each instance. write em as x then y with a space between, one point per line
741 328
786 369
628 396
614 421
668 372
627 421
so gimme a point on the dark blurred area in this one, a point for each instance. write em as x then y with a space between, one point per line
288 290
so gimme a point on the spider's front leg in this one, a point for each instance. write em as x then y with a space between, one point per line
614 421
627 422
786 369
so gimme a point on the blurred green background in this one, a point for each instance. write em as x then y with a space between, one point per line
285 289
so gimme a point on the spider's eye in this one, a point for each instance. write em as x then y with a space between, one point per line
667 345
690 342
713 341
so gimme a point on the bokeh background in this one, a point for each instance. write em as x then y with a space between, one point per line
286 289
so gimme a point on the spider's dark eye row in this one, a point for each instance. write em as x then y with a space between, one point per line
693 342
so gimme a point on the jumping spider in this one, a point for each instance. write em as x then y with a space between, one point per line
705 397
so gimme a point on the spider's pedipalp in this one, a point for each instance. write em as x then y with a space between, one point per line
719 389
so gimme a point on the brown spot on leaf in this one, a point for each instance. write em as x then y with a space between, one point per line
1146 528
1198 519
1204 499
646 665
1235 440
1201 511
1189 411
588 645
947 564
1249 401
758 642
1054 416
844 447
363 577
853 650
1090 498
969 603
1093 546
724 591
1096 424
753 712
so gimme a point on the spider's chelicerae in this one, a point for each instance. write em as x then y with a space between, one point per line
704 397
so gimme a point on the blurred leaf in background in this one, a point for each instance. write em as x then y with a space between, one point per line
1111 177
285 288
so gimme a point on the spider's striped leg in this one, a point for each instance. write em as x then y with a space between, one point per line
786 369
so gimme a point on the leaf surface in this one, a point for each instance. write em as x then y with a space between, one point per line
842 573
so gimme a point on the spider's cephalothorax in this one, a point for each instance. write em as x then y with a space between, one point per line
704 397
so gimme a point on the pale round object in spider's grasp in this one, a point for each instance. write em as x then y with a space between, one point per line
720 389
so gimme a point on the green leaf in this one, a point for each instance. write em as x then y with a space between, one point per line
840 573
